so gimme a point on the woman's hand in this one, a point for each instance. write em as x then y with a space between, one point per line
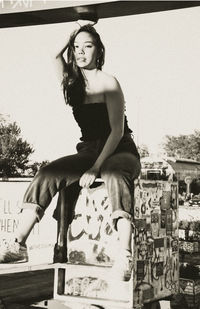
89 177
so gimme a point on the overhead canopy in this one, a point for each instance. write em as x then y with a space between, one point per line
16 13
183 169
180 167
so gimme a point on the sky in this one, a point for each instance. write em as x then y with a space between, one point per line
155 57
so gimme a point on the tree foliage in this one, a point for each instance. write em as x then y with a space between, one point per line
143 150
14 151
183 146
195 186
34 168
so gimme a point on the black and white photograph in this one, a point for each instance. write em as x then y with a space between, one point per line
99 154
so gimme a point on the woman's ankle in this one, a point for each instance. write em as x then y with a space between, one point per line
20 240
126 251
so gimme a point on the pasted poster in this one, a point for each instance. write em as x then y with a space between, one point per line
43 236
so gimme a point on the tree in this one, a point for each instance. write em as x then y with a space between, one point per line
195 186
14 151
143 150
183 146
34 168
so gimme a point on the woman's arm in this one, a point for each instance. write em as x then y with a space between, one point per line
115 106
60 63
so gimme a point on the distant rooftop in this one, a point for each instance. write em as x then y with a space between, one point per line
155 158
182 160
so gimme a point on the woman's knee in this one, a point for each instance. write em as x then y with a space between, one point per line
114 169
121 164
110 171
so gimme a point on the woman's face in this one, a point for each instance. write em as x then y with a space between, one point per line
85 51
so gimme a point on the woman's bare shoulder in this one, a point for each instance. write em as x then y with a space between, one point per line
109 81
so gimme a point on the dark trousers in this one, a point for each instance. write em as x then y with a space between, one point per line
118 172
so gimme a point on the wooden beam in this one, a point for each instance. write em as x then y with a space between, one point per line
27 287
94 10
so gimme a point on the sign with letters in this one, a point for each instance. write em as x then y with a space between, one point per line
42 238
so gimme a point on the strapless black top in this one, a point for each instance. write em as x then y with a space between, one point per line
93 121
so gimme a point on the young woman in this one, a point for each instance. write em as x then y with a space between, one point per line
106 149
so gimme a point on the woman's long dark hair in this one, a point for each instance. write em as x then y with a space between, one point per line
73 81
